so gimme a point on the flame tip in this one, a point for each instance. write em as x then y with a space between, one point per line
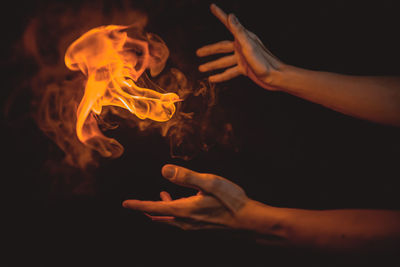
110 67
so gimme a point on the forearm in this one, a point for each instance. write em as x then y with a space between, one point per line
335 230
372 98
371 230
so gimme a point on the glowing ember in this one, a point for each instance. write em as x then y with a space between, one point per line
113 62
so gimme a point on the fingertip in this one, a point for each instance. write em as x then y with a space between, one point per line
125 204
168 171
201 68
165 196
218 12
199 52
213 6
167 166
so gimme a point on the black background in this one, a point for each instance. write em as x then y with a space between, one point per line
290 153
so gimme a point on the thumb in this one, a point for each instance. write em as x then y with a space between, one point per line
239 32
230 194
188 178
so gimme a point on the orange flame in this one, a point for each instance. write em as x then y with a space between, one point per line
193 125
113 62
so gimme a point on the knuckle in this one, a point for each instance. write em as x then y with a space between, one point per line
187 176
179 174
215 183
241 193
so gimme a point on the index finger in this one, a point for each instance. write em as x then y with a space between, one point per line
220 14
220 47
159 207
177 207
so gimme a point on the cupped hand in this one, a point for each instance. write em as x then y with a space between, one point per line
250 57
218 204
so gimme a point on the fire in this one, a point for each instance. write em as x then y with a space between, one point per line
119 78
113 63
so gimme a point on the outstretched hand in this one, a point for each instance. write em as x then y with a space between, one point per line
250 57
218 204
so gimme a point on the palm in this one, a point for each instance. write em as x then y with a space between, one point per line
206 212
215 206
250 57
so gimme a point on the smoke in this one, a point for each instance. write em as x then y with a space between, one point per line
58 91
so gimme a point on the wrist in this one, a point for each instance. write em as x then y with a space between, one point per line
278 78
263 219
294 80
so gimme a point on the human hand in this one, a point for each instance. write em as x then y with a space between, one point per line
218 204
250 57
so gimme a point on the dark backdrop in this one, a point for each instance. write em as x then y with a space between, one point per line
289 152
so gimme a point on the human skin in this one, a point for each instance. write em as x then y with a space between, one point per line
223 204
373 98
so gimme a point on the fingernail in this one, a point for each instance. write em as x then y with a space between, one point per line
234 19
168 172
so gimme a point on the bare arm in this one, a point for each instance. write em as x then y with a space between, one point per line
327 230
371 98
223 204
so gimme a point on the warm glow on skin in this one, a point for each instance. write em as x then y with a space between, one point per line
113 62
373 98
223 204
